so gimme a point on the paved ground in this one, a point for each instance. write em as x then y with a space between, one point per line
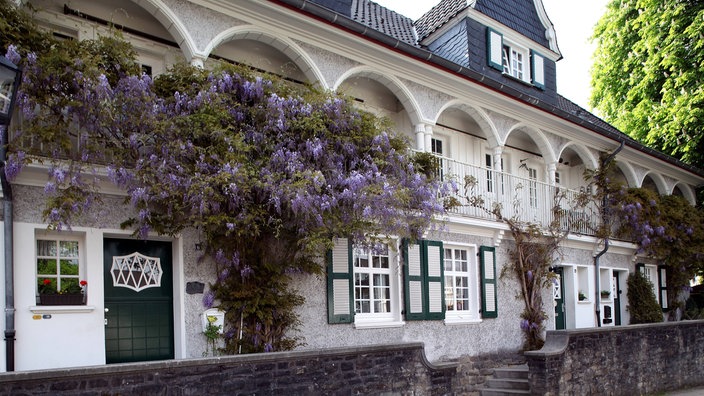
687 392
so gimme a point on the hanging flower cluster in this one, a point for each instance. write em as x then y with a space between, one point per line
267 172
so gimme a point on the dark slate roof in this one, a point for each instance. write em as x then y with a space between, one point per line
438 16
519 15
574 109
384 20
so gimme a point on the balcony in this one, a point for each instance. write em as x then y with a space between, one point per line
523 199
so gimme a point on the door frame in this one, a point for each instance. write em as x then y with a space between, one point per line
178 280
559 271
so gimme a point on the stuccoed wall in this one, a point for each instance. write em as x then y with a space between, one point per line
102 220
442 342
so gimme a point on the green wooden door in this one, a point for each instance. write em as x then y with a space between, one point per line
559 298
616 293
138 300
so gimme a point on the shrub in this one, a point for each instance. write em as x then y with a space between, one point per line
642 305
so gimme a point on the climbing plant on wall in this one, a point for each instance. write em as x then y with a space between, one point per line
268 172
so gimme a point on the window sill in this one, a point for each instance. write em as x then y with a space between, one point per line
584 302
461 321
57 309
524 82
378 325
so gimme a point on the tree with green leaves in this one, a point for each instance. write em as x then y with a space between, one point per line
648 73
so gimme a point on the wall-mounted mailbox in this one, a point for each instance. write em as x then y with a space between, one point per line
214 316
607 314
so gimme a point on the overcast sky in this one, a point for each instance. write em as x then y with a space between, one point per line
573 20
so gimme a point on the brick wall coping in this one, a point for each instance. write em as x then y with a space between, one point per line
126 368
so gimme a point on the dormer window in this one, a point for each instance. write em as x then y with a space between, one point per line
512 60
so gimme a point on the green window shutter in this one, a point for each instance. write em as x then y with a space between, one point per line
487 265
413 279
537 69
494 49
424 280
435 279
662 287
340 283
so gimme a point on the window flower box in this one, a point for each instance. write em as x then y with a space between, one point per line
62 299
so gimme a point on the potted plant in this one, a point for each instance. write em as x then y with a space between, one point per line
581 296
74 293
605 293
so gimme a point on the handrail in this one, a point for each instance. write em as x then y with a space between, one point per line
521 198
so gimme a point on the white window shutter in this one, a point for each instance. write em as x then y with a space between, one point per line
435 280
413 274
487 260
339 267
537 63
494 48
424 280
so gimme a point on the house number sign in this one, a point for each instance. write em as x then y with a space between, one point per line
136 271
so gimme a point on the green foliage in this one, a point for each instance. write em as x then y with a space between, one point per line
18 28
267 171
648 73
642 305
212 335
666 228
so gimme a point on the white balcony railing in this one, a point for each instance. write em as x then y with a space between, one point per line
524 199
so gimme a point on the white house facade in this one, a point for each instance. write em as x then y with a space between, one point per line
472 81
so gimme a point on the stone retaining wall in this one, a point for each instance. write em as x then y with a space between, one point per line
386 369
628 360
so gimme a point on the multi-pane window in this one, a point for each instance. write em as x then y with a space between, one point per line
457 292
489 173
489 163
513 63
437 149
533 187
372 280
58 264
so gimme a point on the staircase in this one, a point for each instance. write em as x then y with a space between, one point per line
508 381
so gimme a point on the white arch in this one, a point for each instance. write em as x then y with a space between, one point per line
173 25
629 173
478 115
392 83
659 182
538 138
687 192
289 48
584 154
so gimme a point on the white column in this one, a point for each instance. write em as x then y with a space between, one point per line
552 168
428 138
497 180
420 137
198 61
498 151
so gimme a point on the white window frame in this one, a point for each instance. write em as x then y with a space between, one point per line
650 272
58 276
515 61
471 313
392 318
532 186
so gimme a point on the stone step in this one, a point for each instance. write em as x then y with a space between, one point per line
513 372
502 392
508 383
